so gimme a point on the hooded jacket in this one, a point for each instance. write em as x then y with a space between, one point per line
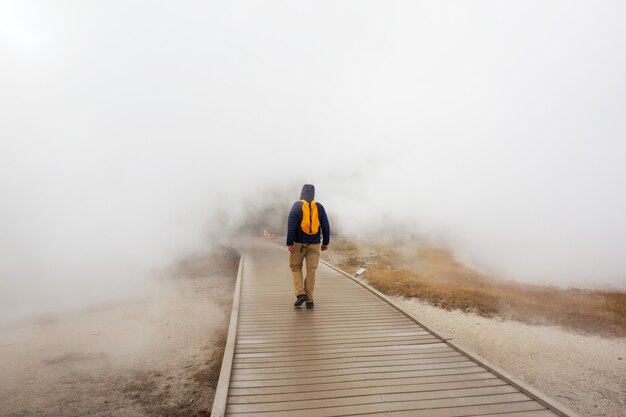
295 233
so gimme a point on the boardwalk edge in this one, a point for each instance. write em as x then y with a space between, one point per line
438 335
548 402
221 391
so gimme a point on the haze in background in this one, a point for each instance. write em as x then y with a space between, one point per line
132 132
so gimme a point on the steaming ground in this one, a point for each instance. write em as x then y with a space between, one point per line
158 355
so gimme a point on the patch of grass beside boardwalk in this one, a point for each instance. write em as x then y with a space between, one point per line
434 275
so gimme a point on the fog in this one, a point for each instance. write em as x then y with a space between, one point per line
132 133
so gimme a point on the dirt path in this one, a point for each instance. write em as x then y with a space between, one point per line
142 357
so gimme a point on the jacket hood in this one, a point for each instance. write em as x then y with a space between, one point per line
308 192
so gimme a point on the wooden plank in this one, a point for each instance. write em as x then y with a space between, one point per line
341 335
323 304
253 340
388 383
335 353
337 339
336 393
287 311
335 328
327 345
480 410
282 367
279 306
321 320
538 413
303 404
239 375
331 324
393 359
313 332
324 337
455 382
291 340
370 377
267 358
326 306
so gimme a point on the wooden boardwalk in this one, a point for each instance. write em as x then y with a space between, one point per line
353 354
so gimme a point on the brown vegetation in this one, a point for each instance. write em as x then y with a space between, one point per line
434 275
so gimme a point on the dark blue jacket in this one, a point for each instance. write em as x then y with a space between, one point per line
295 233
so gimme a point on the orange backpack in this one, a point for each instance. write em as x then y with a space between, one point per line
310 218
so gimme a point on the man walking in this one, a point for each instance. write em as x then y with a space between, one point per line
308 232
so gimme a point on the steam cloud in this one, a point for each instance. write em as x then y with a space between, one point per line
132 132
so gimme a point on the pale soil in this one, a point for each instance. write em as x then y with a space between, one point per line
140 357
585 373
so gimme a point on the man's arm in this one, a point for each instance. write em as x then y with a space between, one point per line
292 223
324 223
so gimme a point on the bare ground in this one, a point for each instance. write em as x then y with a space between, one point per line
154 356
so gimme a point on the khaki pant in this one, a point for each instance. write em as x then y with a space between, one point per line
310 252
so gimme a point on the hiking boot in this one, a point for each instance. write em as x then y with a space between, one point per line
309 304
300 300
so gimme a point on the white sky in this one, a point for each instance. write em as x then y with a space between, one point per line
124 125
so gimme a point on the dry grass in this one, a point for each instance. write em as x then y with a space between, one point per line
435 276
211 375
